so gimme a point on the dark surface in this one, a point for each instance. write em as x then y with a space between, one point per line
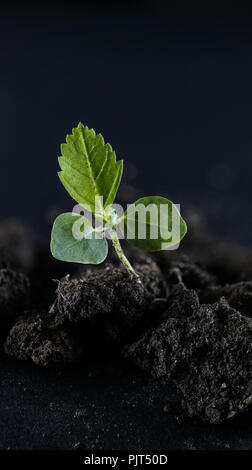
122 409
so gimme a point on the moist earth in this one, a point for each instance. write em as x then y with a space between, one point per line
188 323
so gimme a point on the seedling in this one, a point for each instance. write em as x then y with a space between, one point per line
91 175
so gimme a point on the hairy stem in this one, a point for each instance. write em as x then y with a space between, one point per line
121 255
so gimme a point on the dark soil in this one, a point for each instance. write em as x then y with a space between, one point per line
207 354
119 305
15 296
32 338
187 328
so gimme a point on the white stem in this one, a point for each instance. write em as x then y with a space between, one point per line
121 255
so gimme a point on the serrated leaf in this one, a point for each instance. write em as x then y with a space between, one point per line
65 247
89 168
153 232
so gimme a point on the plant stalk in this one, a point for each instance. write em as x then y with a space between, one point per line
121 255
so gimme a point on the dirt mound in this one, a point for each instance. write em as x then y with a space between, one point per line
188 323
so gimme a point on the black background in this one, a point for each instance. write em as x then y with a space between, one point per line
168 86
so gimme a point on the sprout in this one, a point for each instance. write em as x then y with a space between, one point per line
91 175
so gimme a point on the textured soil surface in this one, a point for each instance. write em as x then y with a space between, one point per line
92 359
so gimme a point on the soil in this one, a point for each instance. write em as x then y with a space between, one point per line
15 293
207 354
162 362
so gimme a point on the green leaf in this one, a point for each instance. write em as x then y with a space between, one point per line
89 168
65 247
153 229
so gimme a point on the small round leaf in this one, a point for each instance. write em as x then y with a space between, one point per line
153 223
66 247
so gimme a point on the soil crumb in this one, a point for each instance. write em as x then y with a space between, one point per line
239 296
208 355
31 338
111 300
